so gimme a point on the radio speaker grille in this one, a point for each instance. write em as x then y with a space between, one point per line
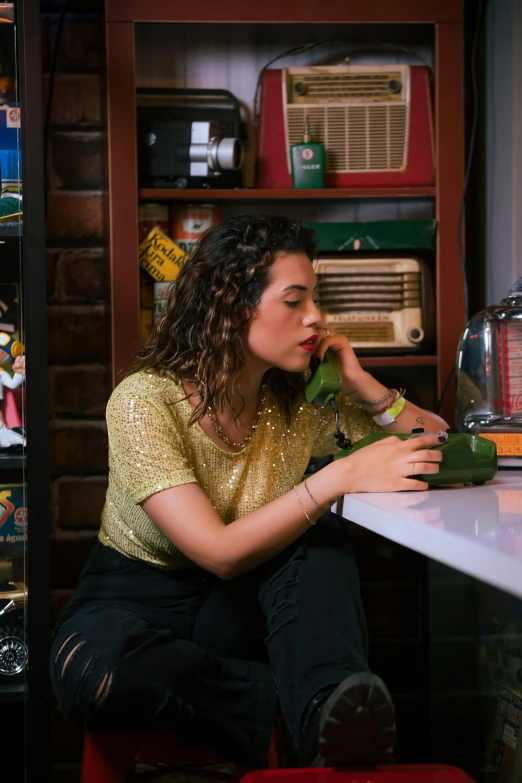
366 332
366 290
357 137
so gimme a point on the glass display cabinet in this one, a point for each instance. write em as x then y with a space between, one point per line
24 474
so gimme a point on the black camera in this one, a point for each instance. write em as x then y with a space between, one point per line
194 139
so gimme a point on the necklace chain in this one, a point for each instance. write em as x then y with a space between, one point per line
219 429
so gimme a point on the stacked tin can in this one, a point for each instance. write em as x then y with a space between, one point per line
187 225
190 222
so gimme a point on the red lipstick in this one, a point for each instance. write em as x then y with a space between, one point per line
309 344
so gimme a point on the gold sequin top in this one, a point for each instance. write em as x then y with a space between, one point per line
152 448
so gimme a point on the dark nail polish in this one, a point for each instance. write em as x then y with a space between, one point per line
442 439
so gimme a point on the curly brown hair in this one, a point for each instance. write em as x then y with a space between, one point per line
211 303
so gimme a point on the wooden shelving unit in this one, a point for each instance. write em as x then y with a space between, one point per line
126 21
253 194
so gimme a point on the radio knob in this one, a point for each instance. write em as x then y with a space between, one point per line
394 85
415 334
300 88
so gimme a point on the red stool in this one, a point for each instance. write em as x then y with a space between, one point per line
112 757
412 773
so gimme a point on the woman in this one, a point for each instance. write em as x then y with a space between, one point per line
221 587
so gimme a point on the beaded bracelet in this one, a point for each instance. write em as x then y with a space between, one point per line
322 508
397 394
390 415
301 504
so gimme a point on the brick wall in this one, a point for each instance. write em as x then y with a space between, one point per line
78 317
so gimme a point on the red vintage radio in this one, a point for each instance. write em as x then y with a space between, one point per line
375 122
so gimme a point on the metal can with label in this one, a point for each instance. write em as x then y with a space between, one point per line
152 216
188 223
161 292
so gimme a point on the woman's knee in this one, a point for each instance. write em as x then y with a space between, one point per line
81 679
101 685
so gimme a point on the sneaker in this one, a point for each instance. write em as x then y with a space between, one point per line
356 725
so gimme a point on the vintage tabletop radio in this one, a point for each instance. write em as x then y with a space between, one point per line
375 122
489 376
380 304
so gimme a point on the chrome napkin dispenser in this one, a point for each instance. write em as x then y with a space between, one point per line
489 375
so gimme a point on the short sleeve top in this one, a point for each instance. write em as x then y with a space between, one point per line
152 448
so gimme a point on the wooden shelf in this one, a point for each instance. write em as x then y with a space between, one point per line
271 11
398 361
242 194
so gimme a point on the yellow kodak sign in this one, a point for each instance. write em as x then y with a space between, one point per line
160 256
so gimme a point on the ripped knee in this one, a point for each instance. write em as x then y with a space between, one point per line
101 692
84 669
71 654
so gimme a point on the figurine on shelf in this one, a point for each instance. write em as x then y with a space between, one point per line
10 349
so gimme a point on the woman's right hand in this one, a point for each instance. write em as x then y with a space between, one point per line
389 465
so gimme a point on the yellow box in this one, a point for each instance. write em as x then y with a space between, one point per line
160 256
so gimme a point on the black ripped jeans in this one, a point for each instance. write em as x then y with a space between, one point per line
138 648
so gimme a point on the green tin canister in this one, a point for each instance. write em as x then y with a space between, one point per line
308 162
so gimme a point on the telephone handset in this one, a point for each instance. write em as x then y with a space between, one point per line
324 383
322 388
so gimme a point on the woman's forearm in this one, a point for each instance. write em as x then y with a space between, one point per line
257 537
373 396
251 540
233 549
412 417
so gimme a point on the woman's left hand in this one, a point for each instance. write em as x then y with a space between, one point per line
346 361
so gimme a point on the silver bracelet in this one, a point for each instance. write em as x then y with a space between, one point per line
300 503
322 508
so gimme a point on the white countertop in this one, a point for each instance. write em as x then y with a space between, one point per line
476 530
